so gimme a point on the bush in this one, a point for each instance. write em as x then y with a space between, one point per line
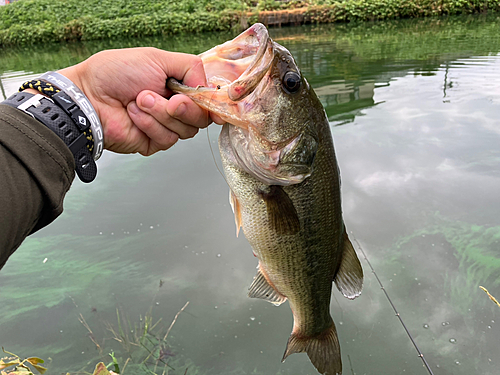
37 21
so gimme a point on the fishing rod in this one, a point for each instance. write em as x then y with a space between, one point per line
420 354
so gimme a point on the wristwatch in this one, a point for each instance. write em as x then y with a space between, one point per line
67 121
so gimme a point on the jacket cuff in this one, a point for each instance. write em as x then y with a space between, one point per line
43 154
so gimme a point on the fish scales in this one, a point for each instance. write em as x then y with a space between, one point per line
300 256
278 157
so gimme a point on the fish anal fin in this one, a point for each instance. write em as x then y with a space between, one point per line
349 277
262 288
281 212
323 350
235 205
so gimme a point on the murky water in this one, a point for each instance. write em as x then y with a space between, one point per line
414 108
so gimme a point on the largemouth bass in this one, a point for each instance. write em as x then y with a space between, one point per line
279 161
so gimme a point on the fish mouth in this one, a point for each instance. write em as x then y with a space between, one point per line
247 57
233 69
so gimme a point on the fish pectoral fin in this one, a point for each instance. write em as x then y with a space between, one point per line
281 212
262 289
349 277
235 205
323 350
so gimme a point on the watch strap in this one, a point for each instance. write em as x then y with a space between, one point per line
64 84
56 119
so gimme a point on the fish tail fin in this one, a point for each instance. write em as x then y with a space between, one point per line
323 350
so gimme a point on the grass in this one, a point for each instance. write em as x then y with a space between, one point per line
144 346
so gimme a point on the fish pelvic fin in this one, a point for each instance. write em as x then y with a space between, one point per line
323 350
262 288
235 205
281 212
349 277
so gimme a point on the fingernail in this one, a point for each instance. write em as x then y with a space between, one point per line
132 107
180 110
148 101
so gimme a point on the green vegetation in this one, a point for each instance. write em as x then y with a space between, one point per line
36 21
144 349
424 39
144 345
474 256
33 21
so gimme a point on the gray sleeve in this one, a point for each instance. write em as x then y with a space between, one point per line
36 172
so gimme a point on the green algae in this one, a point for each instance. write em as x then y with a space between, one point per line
476 250
43 273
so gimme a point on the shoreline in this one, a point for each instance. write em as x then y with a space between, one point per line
95 26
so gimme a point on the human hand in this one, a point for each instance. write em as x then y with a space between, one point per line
127 89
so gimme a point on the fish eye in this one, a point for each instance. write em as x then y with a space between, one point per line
291 81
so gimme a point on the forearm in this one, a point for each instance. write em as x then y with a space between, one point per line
36 171
127 91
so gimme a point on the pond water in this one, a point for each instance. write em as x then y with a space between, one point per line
414 109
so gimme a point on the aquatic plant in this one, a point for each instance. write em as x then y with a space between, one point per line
489 295
145 348
26 272
101 369
475 250
144 343
20 366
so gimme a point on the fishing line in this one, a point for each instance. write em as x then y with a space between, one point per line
210 143
350 363
420 354
213 157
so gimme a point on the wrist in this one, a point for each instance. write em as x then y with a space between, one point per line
70 88
73 73
59 113
59 104
34 92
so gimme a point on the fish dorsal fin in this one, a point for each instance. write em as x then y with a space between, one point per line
323 350
261 288
281 212
235 205
349 277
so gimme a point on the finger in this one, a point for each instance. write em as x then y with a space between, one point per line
217 119
192 117
161 138
182 66
185 110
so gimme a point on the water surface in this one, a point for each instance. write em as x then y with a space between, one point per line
414 109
